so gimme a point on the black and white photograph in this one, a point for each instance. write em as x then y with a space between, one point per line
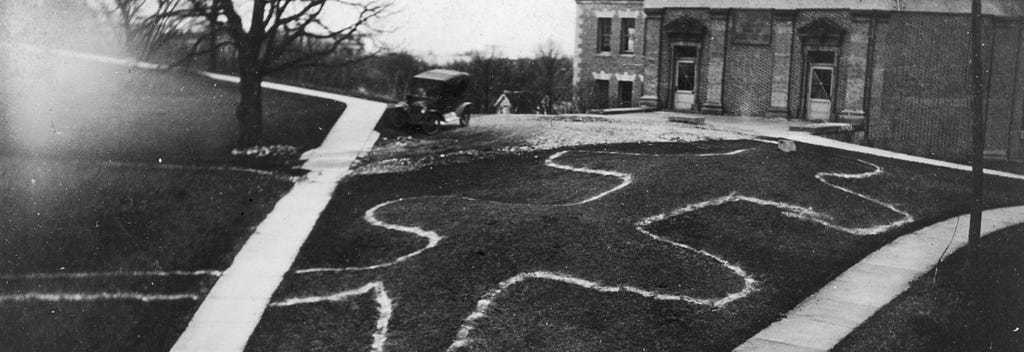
512 175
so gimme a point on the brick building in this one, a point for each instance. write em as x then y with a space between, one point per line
896 69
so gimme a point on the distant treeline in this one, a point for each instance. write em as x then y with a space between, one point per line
387 76
384 76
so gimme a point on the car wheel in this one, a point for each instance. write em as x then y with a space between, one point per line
432 127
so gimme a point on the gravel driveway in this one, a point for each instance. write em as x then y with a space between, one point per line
489 135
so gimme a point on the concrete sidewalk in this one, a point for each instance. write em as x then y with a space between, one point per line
779 129
825 318
234 306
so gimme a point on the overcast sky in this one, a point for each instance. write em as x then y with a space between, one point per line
449 27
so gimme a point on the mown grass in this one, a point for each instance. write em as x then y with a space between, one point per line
933 315
68 109
488 242
80 217
65 208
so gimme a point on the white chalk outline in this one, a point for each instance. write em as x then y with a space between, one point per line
433 239
182 167
102 296
371 217
384 307
385 304
88 275
462 338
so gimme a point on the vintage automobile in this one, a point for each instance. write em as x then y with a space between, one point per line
434 98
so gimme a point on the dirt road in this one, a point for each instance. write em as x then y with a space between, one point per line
488 135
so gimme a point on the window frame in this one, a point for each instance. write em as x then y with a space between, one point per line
692 60
627 40
604 34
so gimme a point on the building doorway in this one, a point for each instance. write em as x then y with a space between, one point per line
625 94
820 75
685 76
601 93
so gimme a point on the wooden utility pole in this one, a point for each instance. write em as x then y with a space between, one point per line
978 177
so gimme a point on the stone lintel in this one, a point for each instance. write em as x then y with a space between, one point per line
784 15
654 12
719 14
861 16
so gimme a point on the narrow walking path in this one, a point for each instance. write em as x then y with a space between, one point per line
778 128
233 308
825 318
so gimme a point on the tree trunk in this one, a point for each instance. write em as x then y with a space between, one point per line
249 112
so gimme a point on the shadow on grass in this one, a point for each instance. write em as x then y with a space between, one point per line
933 314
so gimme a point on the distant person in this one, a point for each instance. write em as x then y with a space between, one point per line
545 105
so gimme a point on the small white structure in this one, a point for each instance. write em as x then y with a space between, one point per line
503 104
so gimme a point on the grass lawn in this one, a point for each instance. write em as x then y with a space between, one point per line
62 108
933 314
500 218
79 217
99 255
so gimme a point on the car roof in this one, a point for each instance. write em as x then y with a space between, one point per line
441 75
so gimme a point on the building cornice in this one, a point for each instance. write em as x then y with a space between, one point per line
989 7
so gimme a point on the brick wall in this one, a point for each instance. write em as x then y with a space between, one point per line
612 65
747 85
914 87
1000 88
923 105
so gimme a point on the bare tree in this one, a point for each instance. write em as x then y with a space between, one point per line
125 13
271 36
140 34
552 71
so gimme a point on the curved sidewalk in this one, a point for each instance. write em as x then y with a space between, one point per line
234 306
823 319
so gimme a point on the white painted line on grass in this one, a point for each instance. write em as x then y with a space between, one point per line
626 178
161 165
96 274
371 217
462 338
240 297
825 318
433 239
384 308
233 307
831 143
89 297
